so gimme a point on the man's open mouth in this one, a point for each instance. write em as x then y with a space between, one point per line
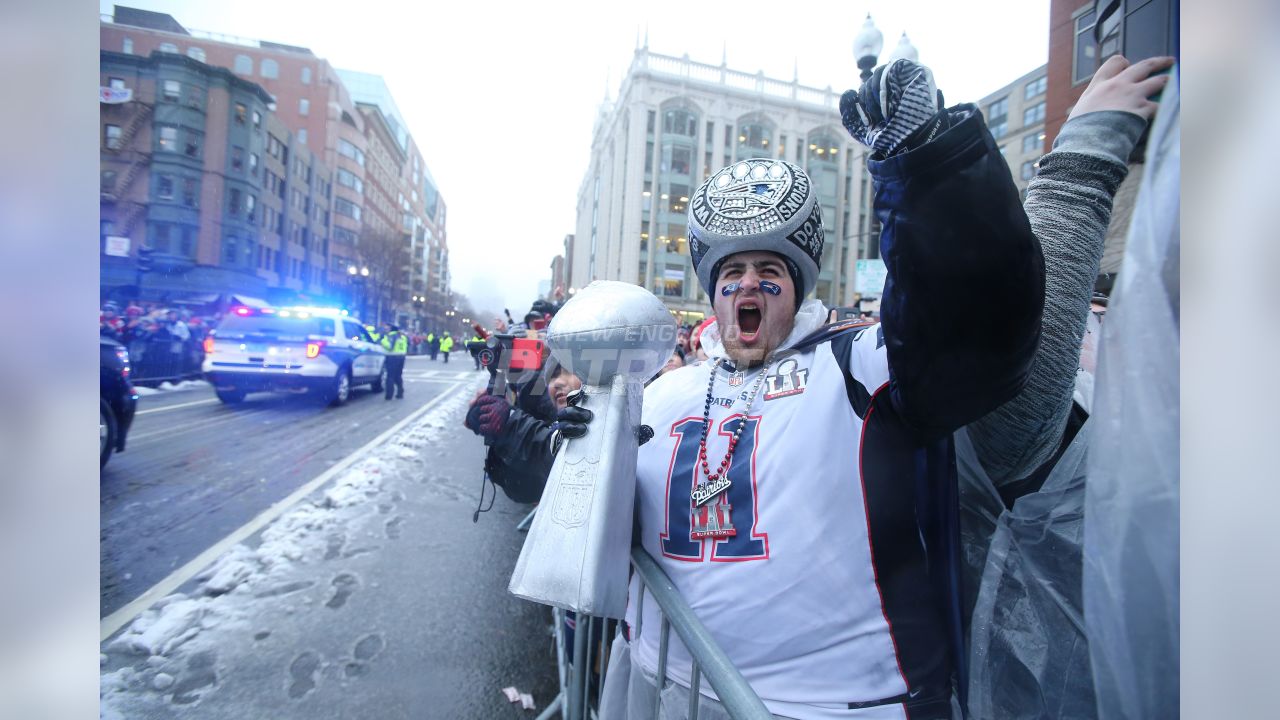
748 320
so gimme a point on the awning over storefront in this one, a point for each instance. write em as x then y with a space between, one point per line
197 300
248 301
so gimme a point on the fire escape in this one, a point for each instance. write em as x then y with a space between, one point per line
129 212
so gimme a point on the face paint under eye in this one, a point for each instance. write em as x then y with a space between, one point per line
730 289
771 288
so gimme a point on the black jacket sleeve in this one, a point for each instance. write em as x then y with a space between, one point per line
521 457
962 303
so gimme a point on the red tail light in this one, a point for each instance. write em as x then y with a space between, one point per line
208 345
313 348
242 311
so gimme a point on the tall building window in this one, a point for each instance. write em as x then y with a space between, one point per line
1033 142
306 76
823 148
1033 114
1035 87
302 136
1028 169
998 109
269 68
1085 58
304 107
164 187
649 125
250 208
342 206
192 146
753 139
196 53
347 178
237 159
160 237
253 164
172 91
346 149
257 119
677 199
229 250
677 159
680 122
243 65
189 192
188 241
169 48
168 138
241 114
112 135
998 117
127 46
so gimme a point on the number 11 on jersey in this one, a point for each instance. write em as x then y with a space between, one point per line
728 523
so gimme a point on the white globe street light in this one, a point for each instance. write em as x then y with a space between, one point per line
904 50
867 46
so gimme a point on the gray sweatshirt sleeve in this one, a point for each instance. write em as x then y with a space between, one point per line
1069 205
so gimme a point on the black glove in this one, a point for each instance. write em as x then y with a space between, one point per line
572 421
898 109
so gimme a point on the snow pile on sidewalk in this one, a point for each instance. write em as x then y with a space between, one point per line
166 655
167 386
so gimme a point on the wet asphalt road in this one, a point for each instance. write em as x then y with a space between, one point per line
427 616
195 469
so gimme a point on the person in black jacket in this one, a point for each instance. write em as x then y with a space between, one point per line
525 436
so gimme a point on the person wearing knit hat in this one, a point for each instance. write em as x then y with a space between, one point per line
801 482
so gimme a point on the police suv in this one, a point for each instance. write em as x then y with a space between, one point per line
294 349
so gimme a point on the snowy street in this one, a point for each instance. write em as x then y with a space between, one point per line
283 559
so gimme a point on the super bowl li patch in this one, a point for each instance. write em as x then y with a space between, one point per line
790 379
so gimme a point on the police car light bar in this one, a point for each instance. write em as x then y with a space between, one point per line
317 311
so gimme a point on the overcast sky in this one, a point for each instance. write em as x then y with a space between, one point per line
501 96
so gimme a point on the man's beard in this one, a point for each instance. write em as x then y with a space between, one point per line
744 356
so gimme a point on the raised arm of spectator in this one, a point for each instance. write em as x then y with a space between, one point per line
953 226
1069 206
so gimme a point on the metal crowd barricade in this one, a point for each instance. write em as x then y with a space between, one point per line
581 688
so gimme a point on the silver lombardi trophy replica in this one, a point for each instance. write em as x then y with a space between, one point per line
614 336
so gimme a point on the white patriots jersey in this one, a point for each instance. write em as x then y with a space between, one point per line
781 567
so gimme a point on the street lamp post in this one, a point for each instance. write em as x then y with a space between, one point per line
867 46
418 302
866 51
359 277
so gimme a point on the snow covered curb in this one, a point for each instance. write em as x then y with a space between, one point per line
167 386
157 658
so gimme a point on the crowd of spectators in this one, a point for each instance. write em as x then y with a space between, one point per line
163 342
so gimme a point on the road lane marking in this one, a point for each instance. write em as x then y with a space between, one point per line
126 614
202 424
175 407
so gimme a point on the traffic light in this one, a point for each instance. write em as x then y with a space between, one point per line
145 259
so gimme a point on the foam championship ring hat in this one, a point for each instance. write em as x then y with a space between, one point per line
757 204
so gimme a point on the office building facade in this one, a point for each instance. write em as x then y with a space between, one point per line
677 121
1015 116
